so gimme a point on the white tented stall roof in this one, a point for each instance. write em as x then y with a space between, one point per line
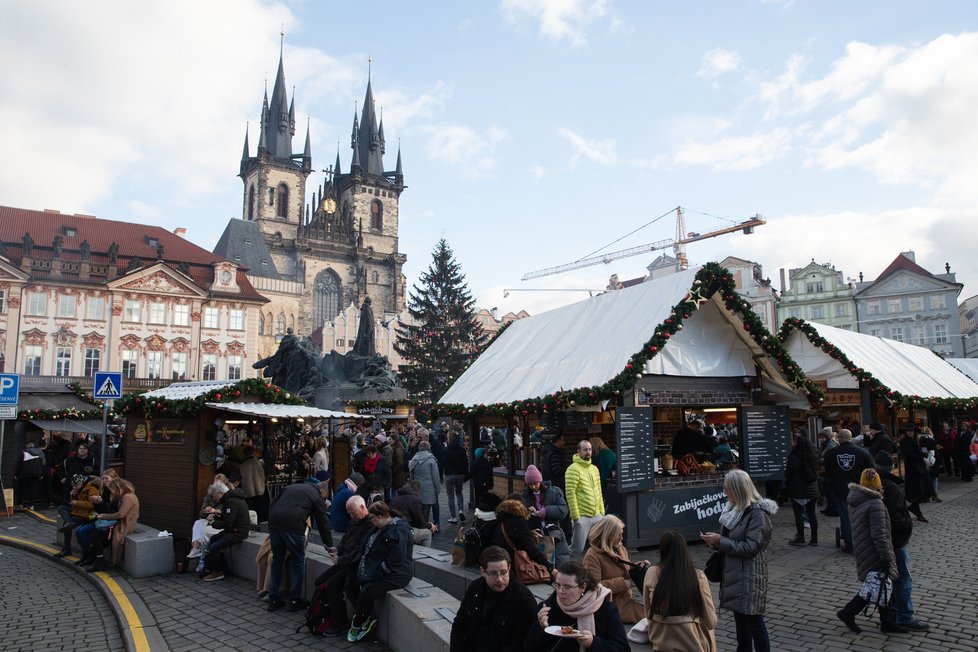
589 342
191 389
900 367
968 366
280 411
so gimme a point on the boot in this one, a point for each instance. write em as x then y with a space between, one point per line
848 613
888 625
64 552
86 559
799 540
814 540
98 564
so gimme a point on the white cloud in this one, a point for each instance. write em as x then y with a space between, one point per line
560 20
717 62
598 151
736 152
471 152
537 171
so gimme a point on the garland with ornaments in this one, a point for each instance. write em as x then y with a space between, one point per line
153 407
69 413
869 380
710 280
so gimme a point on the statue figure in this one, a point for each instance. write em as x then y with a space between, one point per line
365 344
56 246
134 264
113 253
184 267
28 244
86 249
294 366
159 252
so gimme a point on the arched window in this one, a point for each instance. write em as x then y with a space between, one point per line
261 323
375 277
280 324
327 297
251 203
283 201
376 215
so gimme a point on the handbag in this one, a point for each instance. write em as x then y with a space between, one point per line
104 523
527 570
546 543
877 589
714 563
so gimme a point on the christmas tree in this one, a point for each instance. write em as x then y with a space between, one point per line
445 337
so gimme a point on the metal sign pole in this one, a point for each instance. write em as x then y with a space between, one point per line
3 496
105 430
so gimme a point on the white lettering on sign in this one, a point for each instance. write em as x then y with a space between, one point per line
719 500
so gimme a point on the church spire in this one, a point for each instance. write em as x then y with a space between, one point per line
369 135
307 151
246 154
336 167
280 118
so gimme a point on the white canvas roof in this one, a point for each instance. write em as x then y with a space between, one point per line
968 366
191 389
589 342
905 368
281 411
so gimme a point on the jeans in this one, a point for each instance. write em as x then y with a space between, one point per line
214 561
430 512
751 631
85 534
363 598
809 509
453 485
295 545
844 523
901 606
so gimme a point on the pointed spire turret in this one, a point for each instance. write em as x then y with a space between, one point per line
383 150
246 154
307 150
399 170
336 166
280 118
369 136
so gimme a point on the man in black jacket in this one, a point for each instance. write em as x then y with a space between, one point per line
345 561
844 464
497 611
233 523
901 527
287 532
879 440
552 464
408 504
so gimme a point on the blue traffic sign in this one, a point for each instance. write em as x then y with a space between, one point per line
9 389
108 385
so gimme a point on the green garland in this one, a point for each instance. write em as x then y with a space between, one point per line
712 278
69 413
151 407
869 380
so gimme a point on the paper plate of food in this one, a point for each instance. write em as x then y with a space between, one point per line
562 630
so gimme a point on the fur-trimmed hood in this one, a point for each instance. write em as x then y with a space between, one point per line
730 516
862 493
512 508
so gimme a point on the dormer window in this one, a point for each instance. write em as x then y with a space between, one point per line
70 231
152 242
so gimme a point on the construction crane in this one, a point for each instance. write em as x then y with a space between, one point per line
678 245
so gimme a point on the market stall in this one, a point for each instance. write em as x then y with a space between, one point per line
651 357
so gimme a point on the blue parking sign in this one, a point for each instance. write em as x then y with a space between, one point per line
9 389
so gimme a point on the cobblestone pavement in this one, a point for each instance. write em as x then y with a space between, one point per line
47 606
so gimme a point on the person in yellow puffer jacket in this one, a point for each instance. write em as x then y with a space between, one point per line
584 499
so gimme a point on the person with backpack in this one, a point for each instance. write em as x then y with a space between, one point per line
29 474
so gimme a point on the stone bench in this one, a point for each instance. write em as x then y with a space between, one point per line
146 552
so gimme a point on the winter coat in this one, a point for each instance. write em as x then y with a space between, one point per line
252 477
481 474
424 469
605 461
83 507
844 464
583 483
34 468
554 505
513 516
552 464
681 633
919 487
75 464
882 442
387 556
491 622
339 519
127 516
399 471
901 525
614 575
208 503
744 585
408 505
872 542
295 504
456 460
234 519
801 473
608 637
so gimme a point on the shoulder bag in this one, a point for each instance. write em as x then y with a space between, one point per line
527 570
714 563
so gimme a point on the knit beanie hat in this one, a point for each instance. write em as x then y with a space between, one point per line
883 462
356 479
871 480
488 502
480 452
533 475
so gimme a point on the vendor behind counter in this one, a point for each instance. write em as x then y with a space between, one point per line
693 439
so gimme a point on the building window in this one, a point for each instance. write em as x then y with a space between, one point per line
179 366
3 301
209 367
818 312
181 314
95 308
211 318
893 306
896 333
377 215
876 332
93 359
154 364
918 335
937 302
32 360
234 367
283 201
794 313
280 324
131 311
236 319
37 304
327 298
251 203
261 323
157 313
916 303
66 305
873 308
129 359
940 333
813 287
62 361
841 310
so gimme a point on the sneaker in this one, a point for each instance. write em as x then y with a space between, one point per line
213 576
298 605
196 552
274 604
915 626
453 520
363 632
354 634
263 595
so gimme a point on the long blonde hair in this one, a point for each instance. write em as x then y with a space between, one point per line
605 536
740 488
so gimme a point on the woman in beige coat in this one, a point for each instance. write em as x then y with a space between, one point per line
123 494
678 601
607 561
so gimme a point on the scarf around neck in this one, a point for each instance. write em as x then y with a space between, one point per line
584 607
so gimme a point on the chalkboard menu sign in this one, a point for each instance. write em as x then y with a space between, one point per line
636 449
765 440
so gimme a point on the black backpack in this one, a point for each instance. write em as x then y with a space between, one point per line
317 613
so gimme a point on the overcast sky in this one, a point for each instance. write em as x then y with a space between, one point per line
533 132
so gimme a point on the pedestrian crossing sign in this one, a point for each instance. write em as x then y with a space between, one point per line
108 385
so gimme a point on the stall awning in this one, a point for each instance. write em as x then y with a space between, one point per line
87 426
192 389
968 366
283 411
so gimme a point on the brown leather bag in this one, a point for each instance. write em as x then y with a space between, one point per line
527 570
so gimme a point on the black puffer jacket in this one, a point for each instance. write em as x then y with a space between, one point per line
456 460
514 517
387 556
234 518
802 470
872 542
901 525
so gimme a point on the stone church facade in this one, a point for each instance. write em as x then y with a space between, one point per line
314 257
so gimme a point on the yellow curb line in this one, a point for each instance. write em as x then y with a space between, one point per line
36 514
135 624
